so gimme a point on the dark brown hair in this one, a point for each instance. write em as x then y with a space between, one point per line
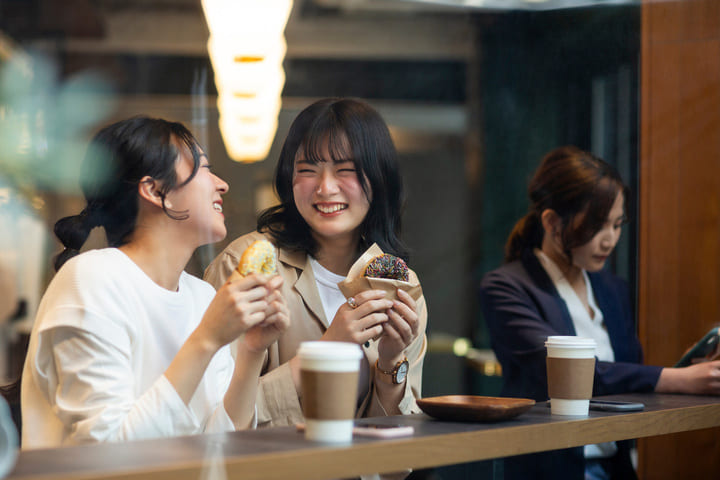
118 157
334 123
570 182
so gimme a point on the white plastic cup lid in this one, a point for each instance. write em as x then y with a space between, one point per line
318 350
568 341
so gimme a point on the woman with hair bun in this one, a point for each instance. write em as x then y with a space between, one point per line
126 345
553 283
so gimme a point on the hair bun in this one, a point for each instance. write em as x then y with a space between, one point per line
64 256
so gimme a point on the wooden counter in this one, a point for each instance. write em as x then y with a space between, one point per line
282 453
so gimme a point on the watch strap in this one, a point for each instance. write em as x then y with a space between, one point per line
392 373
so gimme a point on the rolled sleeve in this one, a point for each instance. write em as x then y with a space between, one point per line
94 393
220 421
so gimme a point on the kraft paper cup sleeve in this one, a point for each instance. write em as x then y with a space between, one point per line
357 282
340 388
570 378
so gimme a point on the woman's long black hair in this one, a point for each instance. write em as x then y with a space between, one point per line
336 124
119 156
571 182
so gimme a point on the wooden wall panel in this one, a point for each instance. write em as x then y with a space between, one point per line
679 267
701 19
662 170
660 21
699 178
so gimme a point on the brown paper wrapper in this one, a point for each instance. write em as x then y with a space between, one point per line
570 378
357 282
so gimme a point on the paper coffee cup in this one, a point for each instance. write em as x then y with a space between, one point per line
329 376
570 373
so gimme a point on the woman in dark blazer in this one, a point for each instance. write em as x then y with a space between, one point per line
553 283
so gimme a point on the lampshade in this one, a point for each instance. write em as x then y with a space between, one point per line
247 48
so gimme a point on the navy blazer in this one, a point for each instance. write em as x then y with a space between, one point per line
522 308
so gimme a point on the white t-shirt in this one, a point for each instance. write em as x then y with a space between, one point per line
327 283
585 326
104 335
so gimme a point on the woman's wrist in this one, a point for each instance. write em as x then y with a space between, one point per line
670 381
388 364
245 352
390 385
395 374
202 344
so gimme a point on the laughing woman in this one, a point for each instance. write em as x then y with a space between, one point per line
340 192
126 345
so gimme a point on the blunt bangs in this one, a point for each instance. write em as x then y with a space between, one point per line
328 136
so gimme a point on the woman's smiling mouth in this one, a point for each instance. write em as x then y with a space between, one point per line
330 208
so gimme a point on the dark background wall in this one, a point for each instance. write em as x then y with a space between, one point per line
551 79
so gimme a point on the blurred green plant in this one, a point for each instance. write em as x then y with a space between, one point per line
45 122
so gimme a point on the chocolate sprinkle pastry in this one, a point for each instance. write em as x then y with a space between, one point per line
387 266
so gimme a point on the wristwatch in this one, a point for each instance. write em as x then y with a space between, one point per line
398 373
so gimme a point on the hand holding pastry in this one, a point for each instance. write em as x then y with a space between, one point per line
360 318
260 258
237 306
277 319
376 271
250 300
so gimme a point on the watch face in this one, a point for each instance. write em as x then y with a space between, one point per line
401 372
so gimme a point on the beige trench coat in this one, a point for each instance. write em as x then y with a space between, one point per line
278 402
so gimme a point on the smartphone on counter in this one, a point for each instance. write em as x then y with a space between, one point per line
377 430
615 406
380 430
706 346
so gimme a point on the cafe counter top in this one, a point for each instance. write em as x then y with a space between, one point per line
282 453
